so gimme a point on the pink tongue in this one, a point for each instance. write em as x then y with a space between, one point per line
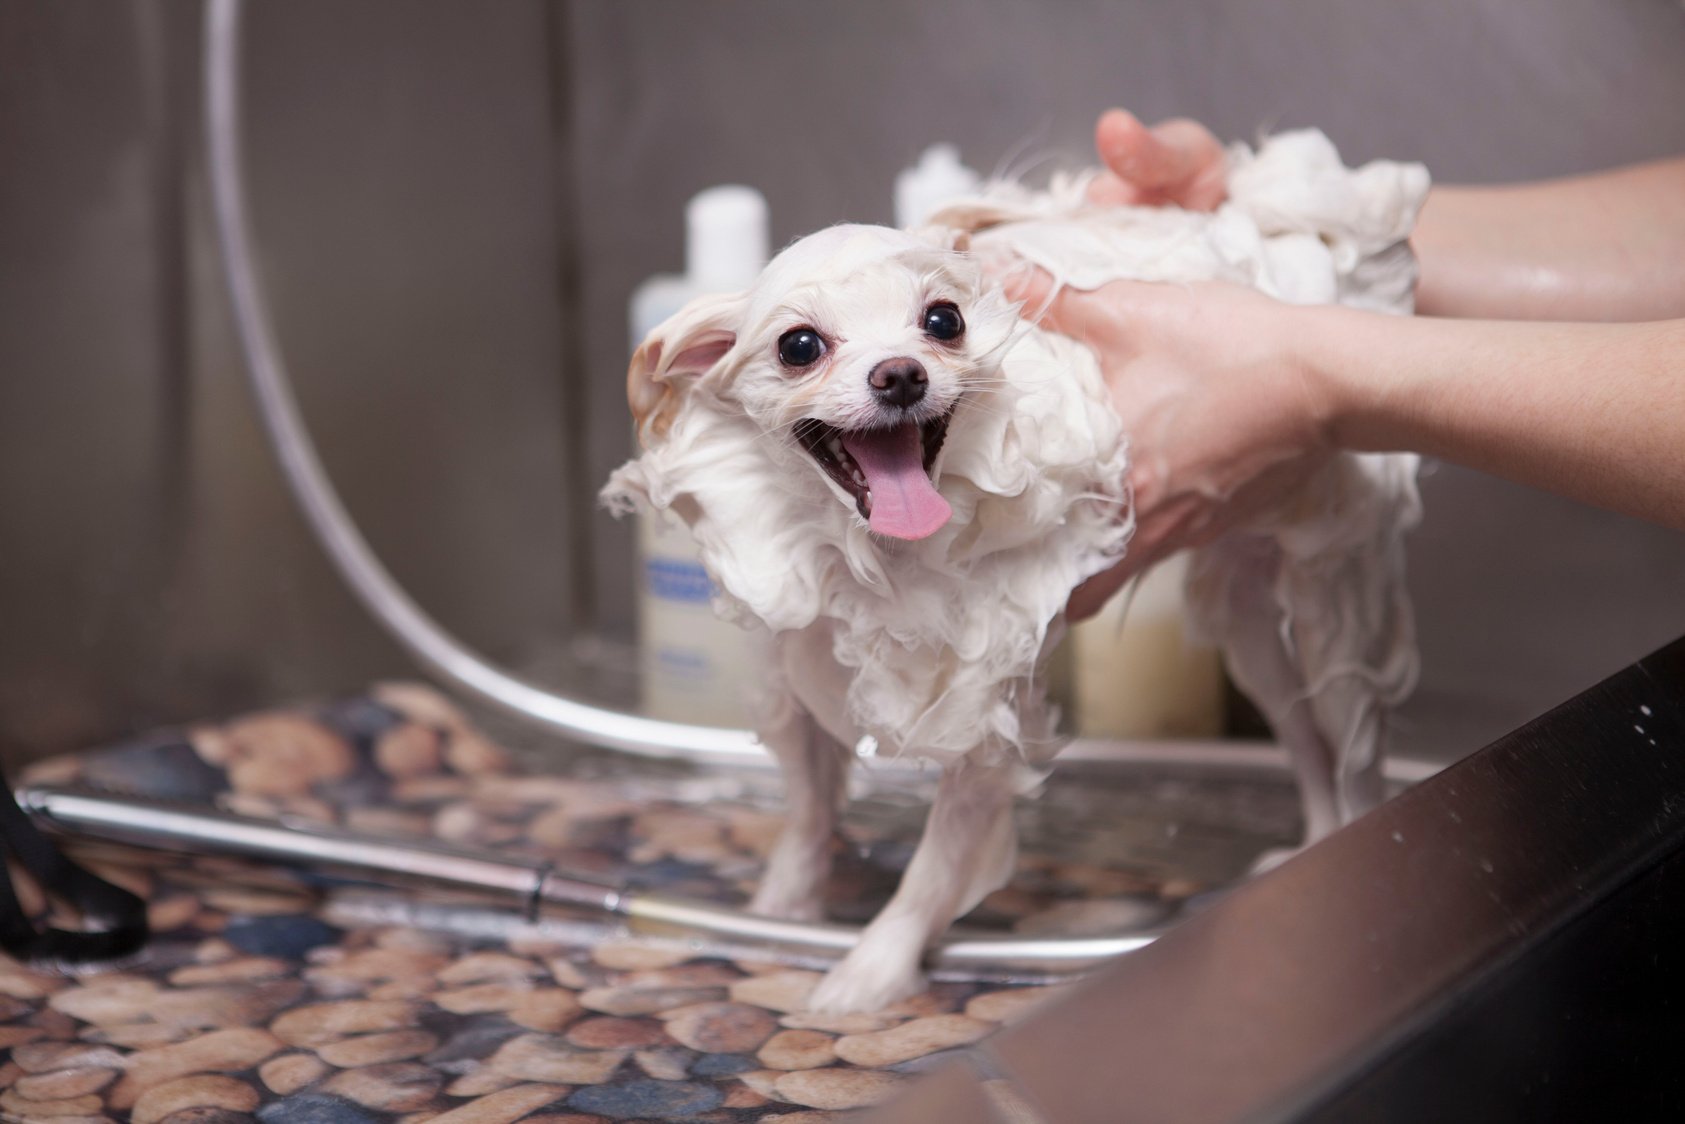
905 505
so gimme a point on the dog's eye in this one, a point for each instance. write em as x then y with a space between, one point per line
800 347
943 321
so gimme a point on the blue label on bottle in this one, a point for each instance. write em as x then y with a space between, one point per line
677 579
684 663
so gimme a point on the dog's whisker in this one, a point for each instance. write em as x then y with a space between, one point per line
987 409
1004 170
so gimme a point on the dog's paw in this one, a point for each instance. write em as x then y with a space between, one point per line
865 985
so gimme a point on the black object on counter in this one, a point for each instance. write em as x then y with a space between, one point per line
116 918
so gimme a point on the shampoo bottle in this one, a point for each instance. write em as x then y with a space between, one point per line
692 663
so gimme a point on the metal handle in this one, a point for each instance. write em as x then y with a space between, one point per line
526 885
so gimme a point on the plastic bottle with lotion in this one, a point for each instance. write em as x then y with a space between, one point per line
693 664
1136 672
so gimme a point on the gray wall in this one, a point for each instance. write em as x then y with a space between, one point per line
454 200
404 197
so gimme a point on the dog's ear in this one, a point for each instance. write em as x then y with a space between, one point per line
944 237
682 348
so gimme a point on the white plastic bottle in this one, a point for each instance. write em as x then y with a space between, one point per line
694 665
938 178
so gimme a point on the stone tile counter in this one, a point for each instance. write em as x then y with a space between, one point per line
265 995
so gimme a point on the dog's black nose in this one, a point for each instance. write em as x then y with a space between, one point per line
898 382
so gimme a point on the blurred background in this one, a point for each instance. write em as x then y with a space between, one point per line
453 202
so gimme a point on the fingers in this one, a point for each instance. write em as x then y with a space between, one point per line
1205 185
1177 161
1117 136
1131 151
1185 149
1163 526
1091 596
1102 318
1094 317
1030 287
1061 311
1154 540
1106 189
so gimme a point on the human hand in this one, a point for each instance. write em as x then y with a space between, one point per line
1177 162
1224 414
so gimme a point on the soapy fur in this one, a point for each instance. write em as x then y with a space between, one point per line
943 634
932 647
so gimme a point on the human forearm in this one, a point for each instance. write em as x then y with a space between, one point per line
1606 246
1592 411
1609 246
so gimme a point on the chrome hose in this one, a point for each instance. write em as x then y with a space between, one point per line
439 653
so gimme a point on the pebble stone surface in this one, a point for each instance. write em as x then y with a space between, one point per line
256 1002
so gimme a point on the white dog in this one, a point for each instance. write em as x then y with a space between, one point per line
902 481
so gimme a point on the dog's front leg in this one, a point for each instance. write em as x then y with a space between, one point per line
801 722
968 849
815 769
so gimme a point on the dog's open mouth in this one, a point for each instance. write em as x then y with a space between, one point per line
887 471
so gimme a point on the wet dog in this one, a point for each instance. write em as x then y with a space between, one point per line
901 481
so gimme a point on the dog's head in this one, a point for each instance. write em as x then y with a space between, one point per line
850 355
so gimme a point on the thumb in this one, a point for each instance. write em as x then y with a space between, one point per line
1058 308
1101 317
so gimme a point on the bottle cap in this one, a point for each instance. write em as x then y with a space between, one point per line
725 237
937 179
